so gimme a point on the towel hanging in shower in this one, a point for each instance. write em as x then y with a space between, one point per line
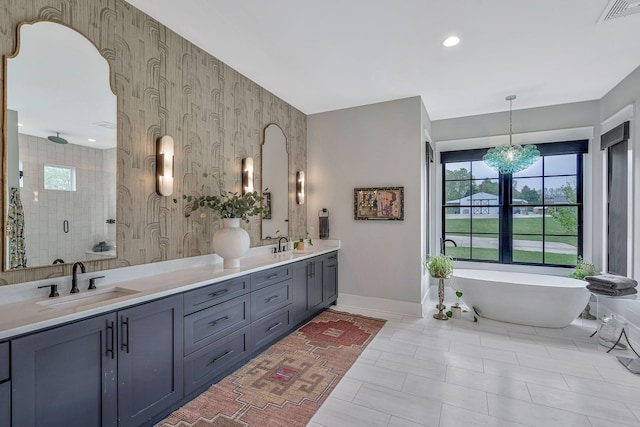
15 231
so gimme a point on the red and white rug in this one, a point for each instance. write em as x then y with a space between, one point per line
286 384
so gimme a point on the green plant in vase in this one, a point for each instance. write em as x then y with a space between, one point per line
299 244
440 266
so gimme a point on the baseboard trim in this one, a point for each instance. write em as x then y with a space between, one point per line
381 304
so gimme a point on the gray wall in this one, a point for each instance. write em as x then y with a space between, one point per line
377 145
166 86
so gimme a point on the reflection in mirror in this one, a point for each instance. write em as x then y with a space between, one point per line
275 182
60 149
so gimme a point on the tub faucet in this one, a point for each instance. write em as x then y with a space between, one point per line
280 244
443 242
74 277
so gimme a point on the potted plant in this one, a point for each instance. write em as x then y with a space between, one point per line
582 270
440 266
230 242
456 309
299 244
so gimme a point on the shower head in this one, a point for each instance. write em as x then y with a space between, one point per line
57 139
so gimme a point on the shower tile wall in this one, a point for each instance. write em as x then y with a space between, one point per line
85 208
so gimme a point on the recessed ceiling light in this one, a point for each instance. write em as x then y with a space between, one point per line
451 41
91 140
20 125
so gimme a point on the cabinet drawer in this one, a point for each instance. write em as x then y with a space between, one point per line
332 259
211 324
270 299
272 327
215 294
205 365
4 361
268 277
5 404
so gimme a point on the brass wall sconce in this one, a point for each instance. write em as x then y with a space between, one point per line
300 187
247 175
164 166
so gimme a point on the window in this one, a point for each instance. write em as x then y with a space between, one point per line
59 178
531 217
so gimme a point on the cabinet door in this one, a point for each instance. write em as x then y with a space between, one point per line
330 278
66 376
150 359
314 285
5 404
299 306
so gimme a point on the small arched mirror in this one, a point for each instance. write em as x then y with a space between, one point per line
275 182
60 149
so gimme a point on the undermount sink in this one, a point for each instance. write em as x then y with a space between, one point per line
86 298
297 252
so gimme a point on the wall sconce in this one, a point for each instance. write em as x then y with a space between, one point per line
247 175
164 166
300 187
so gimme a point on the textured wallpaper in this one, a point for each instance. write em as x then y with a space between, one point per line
167 86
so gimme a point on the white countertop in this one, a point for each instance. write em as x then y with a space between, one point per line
23 308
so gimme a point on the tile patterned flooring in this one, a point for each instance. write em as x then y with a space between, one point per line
425 372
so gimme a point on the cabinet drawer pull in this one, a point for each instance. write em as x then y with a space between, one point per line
268 300
271 328
125 336
273 276
110 348
225 354
332 257
215 322
218 293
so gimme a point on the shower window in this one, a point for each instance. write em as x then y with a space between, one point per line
61 178
531 217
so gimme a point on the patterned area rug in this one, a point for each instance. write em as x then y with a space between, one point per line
286 384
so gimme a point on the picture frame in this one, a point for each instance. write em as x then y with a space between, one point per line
378 203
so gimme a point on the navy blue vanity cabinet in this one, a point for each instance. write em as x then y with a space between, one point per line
330 278
5 386
150 359
118 369
66 376
308 293
271 297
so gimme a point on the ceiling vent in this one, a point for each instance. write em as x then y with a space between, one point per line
618 9
109 125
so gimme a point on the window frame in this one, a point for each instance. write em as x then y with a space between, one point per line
72 173
505 216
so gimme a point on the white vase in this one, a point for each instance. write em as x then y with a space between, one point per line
231 242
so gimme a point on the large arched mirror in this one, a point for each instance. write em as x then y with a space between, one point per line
275 182
60 153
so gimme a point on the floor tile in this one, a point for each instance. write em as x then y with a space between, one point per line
388 346
635 409
401 422
576 367
376 375
413 366
463 397
346 389
599 422
601 388
593 357
522 373
450 359
618 374
532 414
582 404
490 383
452 416
413 408
336 412
411 337
514 346
484 352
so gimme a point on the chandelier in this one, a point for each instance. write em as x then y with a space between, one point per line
511 158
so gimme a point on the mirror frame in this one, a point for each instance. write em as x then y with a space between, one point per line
286 148
3 202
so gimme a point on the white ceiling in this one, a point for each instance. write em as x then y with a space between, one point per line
329 54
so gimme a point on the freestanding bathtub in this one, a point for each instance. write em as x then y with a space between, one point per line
523 298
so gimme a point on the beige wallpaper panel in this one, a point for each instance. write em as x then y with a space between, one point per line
166 85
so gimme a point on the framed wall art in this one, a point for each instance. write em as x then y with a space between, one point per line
385 203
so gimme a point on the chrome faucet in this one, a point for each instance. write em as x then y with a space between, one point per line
280 244
442 244
74 277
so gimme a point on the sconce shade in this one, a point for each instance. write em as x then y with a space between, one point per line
300 187
247 175
164 166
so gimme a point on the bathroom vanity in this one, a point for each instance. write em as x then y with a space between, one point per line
161 340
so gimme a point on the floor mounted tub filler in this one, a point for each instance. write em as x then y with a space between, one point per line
523 298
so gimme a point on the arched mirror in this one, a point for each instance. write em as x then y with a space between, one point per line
60 153
275 182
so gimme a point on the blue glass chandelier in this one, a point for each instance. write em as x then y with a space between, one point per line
511 158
